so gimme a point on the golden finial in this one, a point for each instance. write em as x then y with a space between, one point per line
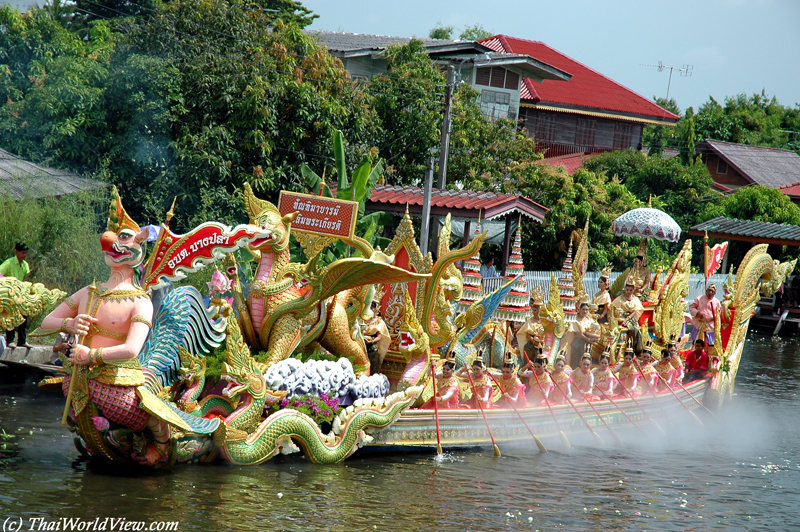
650 201
171 211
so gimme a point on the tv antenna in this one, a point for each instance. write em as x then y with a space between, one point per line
685 71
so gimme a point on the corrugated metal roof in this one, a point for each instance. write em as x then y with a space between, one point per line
761 165
587 87
749 230
21 179
337 41
459 202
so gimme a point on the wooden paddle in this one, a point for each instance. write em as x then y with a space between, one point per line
613 433
436 411
480 406
595 434
539 444
564 439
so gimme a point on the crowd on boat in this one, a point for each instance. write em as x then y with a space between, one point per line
538 383
577 374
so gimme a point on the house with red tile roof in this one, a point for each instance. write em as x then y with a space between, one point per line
740 165
588 113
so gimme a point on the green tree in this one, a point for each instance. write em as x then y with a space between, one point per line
475 32
570 200
289 11
440 31
409 111
51 89
356 188
761 204
683 192
190 100
757 120
656 138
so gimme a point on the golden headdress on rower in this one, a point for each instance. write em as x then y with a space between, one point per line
584 299
672 341
450 357
629 281
712 286
629 348
509 359
562 355
587 352
537 296
118 219
479 359
606 272
648 347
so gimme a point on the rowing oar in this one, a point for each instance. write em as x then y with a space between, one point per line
652 390
71 390
679 399
694 398
564 438
630 394
608 398
480 406
539 444
612 431
575 408
436 411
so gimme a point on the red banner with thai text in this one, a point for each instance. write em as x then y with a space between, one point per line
176 255
320 215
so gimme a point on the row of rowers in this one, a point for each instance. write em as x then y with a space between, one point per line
634 376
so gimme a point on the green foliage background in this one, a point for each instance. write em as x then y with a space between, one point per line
191 98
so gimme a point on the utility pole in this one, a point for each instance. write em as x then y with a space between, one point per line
448 113
444 148
425 227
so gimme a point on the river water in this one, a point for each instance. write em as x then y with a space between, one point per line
739 472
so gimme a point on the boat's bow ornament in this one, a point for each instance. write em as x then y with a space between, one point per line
758 275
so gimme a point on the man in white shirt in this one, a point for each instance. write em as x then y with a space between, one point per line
487 268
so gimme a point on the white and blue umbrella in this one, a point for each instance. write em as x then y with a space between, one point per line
647 222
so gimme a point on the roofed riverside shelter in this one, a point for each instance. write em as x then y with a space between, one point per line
747 231
21 180
466 204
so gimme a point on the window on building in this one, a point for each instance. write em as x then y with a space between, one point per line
483 75
722 166
622 136
543 126
512 80
495 104
497 77
584 133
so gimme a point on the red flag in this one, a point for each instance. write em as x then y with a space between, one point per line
714 258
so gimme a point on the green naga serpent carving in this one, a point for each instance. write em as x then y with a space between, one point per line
249 441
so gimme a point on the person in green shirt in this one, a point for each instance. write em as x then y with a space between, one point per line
17 267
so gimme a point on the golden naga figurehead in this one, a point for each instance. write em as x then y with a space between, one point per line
266 216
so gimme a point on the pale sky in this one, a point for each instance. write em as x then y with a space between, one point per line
734 46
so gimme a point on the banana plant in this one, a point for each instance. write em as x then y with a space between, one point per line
357 187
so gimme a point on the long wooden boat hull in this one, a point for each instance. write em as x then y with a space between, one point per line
464 428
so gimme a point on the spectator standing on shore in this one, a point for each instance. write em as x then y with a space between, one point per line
17 267
487 269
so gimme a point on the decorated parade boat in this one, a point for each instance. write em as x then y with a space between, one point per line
306 369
